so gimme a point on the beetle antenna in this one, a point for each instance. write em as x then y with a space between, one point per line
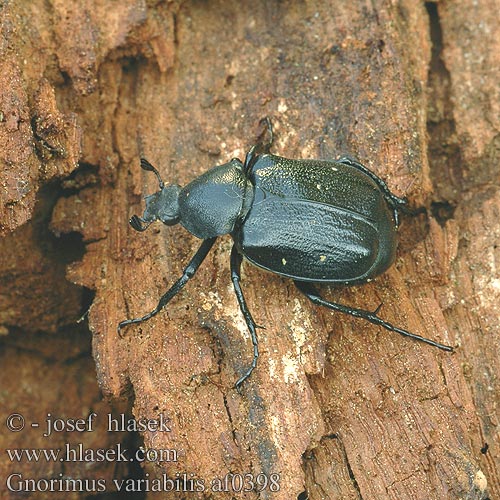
145 165
138 223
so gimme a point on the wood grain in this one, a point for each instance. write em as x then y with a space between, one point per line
337 407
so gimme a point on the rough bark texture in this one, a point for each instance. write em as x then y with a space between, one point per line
338 408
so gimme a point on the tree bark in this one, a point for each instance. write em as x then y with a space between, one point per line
337 407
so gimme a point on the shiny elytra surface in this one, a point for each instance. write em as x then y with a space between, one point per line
316 220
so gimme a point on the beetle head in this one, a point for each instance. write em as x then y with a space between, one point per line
162 205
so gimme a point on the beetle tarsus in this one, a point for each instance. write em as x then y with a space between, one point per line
236 277
266 146
310 292
261 147
124 323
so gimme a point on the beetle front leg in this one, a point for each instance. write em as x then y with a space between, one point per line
188 273
265 147
236 277
310 292
262 147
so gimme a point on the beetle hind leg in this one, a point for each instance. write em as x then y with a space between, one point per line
311 293
252 327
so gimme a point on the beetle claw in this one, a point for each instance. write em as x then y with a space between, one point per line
119 330
126 322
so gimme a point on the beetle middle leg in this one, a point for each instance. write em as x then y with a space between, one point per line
395 202
236 277
310 292
187 274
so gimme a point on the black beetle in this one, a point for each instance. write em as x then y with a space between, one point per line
315 221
